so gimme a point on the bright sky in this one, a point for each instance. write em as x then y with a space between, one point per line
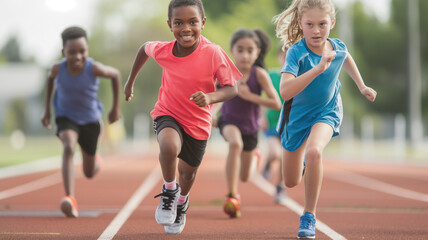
39 23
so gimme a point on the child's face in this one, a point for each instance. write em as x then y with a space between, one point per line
75 52
245 53
186 25
316 25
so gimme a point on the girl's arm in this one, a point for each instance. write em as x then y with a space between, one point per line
101 70
265 82
291 85
49 90
139 62
351 68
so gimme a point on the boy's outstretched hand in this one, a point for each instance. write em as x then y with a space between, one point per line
45 120
369 93
201 99
113 116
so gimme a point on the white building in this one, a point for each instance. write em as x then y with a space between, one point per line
21 81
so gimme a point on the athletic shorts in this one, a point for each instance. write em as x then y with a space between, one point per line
271 132
88 133
192 150
249 140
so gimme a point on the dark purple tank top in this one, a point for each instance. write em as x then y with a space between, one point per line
242 113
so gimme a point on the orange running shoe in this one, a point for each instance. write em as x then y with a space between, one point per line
232 206
69 206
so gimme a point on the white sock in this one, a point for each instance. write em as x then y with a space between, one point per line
170 185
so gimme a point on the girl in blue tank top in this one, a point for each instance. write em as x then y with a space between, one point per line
312 113
77 108
240 117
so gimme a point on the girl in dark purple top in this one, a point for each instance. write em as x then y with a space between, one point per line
239 120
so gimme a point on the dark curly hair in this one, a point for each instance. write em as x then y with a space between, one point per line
179 3
72 33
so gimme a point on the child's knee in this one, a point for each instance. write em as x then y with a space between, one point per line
290 183
69 148
313 155
236 145
169 150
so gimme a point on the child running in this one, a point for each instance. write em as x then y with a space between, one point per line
182 115
240 120
272 137
77 108
312 113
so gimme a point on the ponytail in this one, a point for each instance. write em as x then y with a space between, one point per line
264 46
287 25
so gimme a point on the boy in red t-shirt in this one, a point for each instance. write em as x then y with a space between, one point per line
182 115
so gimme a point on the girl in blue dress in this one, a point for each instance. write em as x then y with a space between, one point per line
312 112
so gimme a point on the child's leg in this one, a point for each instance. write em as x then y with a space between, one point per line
232 135
90 135
247 161
187 175
90 165
69 141
274 154
318 139
292 166
170 146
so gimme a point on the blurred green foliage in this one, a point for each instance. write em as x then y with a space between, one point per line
380 49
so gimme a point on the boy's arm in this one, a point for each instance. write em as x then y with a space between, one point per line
351 68
139 62
104 71
220 95
49 90
265 82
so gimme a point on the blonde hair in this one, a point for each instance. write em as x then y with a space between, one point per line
287 23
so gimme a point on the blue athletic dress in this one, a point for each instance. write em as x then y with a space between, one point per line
320 101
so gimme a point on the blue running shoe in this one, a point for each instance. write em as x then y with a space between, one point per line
307 226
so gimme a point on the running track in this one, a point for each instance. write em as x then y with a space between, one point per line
358 201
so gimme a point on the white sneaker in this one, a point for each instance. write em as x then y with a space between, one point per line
166 212
178 226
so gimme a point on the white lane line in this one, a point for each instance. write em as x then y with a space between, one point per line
31 167
112 229
268 188
36 166
373 184
32 186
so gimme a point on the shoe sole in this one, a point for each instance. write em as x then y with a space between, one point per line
230 209
67 208
306 237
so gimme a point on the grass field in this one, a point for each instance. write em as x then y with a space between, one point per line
42 147
33 149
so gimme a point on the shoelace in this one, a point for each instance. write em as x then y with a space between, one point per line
180 212
306 223
167 198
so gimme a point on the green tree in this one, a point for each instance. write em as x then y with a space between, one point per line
11 50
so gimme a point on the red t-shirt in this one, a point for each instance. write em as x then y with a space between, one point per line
183 76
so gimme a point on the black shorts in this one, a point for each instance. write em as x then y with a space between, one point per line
192 150
250 141
88 133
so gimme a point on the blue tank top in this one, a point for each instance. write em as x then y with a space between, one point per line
76 96
242 113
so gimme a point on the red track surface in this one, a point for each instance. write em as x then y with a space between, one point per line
354 212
